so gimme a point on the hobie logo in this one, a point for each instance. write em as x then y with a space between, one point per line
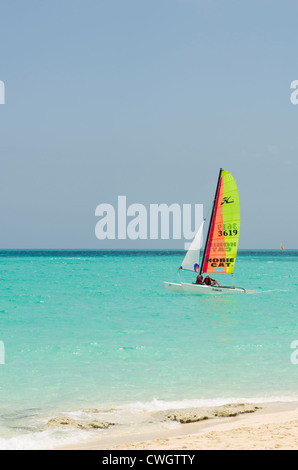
137 222
2 92
227 200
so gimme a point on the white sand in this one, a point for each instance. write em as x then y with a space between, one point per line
275 426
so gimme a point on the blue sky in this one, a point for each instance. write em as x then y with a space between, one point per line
146 99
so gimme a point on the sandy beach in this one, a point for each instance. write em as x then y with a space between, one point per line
270 426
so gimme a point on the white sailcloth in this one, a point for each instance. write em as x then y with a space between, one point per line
191 261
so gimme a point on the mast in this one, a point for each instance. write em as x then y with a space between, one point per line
210 223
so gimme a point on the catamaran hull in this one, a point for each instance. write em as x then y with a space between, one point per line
174 287
202 290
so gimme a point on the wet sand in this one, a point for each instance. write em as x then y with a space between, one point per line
265 426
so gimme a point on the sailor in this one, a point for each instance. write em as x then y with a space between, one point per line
199 279
211 282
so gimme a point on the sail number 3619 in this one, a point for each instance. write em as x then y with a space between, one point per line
227 233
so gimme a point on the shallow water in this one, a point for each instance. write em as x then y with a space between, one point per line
88 330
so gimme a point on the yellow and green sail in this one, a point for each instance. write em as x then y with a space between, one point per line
223 236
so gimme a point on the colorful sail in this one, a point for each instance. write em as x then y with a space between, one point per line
281 247
223 236
191 261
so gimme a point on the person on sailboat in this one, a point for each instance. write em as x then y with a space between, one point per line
199 279
211 282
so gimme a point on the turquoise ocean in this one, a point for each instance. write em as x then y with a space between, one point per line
87 333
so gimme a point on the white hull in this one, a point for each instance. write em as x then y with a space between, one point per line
174 287
199 289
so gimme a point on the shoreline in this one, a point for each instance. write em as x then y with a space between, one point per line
271 426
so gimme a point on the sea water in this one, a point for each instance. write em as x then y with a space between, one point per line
83 330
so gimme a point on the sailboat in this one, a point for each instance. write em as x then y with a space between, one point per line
221 244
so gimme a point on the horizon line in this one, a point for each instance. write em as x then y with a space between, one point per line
133 249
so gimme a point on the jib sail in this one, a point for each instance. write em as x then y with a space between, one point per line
191 261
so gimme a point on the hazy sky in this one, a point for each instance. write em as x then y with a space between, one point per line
148 99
